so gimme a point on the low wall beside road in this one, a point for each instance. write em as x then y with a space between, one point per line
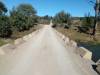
11 46
83 52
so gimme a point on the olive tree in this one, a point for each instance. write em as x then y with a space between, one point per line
62 18
23 17
5 26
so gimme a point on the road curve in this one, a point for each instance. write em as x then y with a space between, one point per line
43 54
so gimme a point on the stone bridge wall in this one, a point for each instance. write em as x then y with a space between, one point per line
83 52
8 48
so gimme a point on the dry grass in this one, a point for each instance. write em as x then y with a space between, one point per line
21 34
84 40
18 35
79 37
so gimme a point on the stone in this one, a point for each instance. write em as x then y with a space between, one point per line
73 43
84 53
2 52
18 41
98 68
66 40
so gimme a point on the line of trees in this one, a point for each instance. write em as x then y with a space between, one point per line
88 23
93 22
44 19
23 17
62 19
20 19
65 20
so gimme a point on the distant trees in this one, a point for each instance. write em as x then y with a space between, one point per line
87 23
26 9
44 19
62 18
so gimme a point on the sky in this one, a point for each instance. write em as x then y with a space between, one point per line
51 7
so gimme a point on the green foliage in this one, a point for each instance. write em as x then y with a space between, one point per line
3 9
5 27
88 21
62 17
26 9
23 17
44 19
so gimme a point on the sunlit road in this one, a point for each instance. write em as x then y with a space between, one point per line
43 54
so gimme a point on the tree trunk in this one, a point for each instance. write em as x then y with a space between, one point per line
96 18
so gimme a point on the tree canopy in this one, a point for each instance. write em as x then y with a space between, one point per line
88 21
3 9
23 17
62 17
26 9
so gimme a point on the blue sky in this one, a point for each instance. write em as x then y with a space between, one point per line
51 7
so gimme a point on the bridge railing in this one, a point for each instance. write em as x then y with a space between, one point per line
83 52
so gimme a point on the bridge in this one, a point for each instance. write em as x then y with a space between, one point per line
43 52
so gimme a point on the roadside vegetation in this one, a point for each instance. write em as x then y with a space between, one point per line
81 30
21 21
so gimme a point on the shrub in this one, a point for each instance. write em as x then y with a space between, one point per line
5 27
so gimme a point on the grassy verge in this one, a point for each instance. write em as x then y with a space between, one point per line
83 40
79 37
2 42
17 35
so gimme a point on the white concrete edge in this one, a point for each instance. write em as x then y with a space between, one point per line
18 41
68 41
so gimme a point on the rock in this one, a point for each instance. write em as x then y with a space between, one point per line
2 52
18 41
98 62
8 48
84 53
98 68
66 40
63 37
30 35
73 43
25 38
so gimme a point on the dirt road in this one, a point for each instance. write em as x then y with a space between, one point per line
43 54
